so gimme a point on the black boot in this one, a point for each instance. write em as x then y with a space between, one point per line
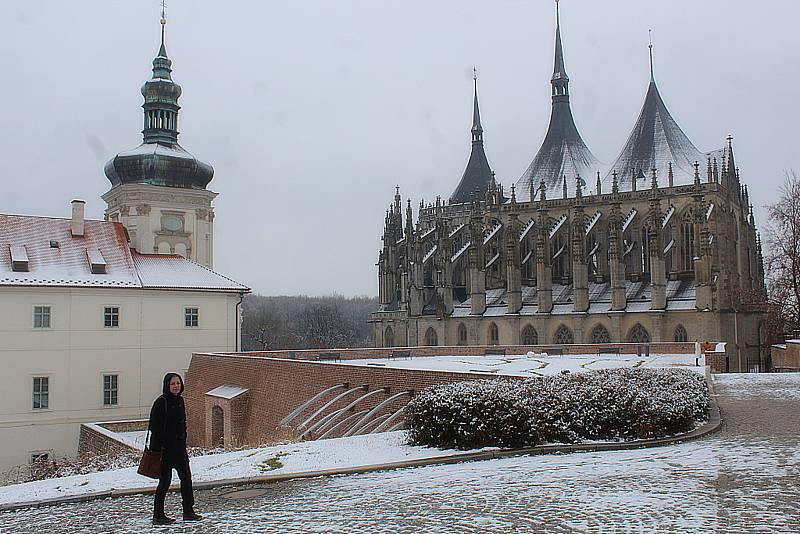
162 520
191 515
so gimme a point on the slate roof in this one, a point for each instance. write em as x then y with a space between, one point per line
563 152
57 259
477 174
655 141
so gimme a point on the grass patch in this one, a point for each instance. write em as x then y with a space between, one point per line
271 464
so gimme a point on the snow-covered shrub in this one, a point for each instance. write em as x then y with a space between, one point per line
609 404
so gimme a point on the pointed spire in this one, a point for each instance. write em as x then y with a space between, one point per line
578 187
598 185
696 173
650 47
542 192
559 72
477 174
614 183
653 179
162 52
565 186
477 129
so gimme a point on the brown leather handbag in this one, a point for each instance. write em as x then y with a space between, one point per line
150 464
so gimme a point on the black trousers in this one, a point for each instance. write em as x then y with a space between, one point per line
174 459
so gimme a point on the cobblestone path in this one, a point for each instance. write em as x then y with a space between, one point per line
745 478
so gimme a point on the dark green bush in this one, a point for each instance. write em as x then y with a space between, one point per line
618 404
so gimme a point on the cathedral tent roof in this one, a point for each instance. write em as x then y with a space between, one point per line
478 174
563 152
655 142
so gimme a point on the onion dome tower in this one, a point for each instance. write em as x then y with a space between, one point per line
656 142
478 174
563 156
158 189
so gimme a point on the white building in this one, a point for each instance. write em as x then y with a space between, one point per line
89 327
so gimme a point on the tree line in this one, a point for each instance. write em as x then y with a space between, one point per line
302 322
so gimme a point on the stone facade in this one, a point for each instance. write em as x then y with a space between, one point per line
663 247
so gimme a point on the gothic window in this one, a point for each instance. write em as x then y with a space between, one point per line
431 339
600 334
645 252
529 336
462 334
388 337
687 246
494 335
638 334
563 336
680 334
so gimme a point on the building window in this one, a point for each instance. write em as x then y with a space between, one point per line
600 334
192 317
529 336
680 334
111 316
431 339
563 336
462 334
110 390
494 335
41 316
41 393
638 334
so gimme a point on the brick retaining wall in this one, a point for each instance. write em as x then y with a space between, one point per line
276 387
97 439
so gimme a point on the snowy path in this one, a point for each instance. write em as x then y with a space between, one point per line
745 478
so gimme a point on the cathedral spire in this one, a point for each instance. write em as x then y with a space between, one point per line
563 152
477 129
560 80
162 52
477 174
650 47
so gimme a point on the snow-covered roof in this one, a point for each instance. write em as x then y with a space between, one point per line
175 272
57 259
227 392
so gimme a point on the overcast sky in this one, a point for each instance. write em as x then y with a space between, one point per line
312 111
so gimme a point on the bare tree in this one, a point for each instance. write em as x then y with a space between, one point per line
782 259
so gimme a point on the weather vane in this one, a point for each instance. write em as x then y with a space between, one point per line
163 12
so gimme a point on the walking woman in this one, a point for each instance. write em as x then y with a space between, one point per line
168 434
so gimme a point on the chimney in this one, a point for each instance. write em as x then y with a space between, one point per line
78 207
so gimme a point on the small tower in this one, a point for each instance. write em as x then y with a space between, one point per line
158 189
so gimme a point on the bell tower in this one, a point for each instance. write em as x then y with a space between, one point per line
158 189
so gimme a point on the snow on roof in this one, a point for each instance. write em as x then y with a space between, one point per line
176 272
227 392
57 259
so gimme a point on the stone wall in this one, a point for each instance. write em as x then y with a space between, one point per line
786 357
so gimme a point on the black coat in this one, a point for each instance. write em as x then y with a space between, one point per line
168 420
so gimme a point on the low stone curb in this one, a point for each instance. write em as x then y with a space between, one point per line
713 424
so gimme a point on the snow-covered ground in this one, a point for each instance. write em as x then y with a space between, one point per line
533 364
357 451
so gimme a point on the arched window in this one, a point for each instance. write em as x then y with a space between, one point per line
529 336
494 335
687 246
680 334
638 334
462 334
600 334
431 339
388 337
563 336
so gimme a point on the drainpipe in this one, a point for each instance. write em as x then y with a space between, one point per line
238 320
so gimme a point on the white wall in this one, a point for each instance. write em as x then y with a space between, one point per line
77 350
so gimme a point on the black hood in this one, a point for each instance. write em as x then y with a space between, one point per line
167 379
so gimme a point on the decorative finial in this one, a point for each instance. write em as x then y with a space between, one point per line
653 179
565 186
614 183
599 185
513 194
670 175
162 52
650 46
696 173
474 73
